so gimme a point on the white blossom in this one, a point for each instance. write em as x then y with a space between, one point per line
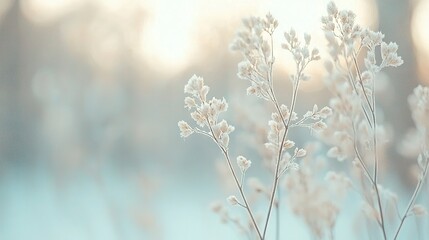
232 200
300 153
243 163
185 129
419 210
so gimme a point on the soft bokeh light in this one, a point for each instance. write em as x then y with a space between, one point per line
167 37
91 94
420 31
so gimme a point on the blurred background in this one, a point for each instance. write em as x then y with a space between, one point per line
91 92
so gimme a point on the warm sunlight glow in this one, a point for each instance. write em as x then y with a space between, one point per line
171 39
167 36
420 33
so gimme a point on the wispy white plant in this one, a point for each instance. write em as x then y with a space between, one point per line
349 126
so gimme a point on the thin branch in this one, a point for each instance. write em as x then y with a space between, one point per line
240 188
413 198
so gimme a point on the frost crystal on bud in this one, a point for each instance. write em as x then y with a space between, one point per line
232 200
243 163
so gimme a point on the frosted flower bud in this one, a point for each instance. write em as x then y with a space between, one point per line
297 56
366 77
284 110
276 117
185 129
307 38
292 33
224 139
232 200
319 126
256 185
376 37
386 49
392 47
315 108
194 85
243 163
251 91
219 105
395 61
301 153
330 26
288 144
343 16
325 112
419 210
334 152
332 8
285 46
203 92
305 53
245 69
190 103
223 126
325 20
305 77
371 57
314 53
216 207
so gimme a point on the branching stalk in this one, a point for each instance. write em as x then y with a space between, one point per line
413 198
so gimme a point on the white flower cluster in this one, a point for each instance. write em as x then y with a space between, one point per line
257 53
354 102
347 38
205 113
300 52
349 125
314 119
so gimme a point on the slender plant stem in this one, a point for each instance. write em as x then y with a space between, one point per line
413 198
237 182
278 216
374 129
276 177
240 188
